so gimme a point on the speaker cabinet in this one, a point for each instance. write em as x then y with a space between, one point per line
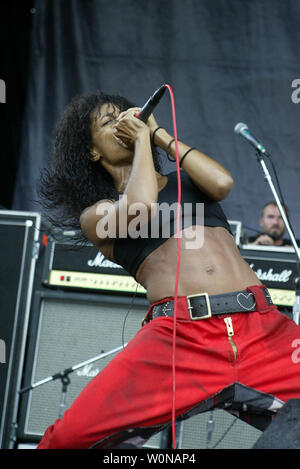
19 234
216 430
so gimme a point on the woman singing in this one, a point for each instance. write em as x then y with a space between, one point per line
233 347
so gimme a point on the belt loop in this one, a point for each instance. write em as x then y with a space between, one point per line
147 318
261 302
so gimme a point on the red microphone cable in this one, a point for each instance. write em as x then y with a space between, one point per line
177 269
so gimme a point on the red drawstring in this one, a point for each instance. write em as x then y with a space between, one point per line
177 268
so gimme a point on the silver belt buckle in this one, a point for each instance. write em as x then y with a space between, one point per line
190 307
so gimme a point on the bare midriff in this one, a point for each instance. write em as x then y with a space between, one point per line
216 267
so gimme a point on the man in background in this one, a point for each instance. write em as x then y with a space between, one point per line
273 228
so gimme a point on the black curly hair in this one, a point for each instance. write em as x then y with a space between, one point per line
72 182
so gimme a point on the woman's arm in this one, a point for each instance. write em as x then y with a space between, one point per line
209 175
142 182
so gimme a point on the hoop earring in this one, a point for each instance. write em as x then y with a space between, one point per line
95 157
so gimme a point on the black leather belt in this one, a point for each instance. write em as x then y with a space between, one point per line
203 306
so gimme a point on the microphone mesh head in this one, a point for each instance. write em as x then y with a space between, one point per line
240 127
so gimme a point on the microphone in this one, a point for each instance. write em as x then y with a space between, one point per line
152 102
242 130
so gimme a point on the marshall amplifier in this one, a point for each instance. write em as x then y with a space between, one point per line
276 268
84 268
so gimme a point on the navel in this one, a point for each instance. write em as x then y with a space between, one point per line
210 269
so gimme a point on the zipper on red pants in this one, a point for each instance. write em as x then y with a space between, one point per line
230 333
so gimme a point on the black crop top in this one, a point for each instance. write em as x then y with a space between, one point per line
130 252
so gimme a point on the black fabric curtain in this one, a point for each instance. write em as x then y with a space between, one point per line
227 62
15 25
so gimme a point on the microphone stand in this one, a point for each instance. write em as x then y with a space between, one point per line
296 307
64 377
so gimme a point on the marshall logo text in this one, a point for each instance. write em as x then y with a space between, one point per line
269 275
101 261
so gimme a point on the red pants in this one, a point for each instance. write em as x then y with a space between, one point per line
134 391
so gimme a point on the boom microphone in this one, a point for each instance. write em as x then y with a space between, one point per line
242 130
152 102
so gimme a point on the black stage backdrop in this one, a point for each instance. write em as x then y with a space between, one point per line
15 25
227 62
